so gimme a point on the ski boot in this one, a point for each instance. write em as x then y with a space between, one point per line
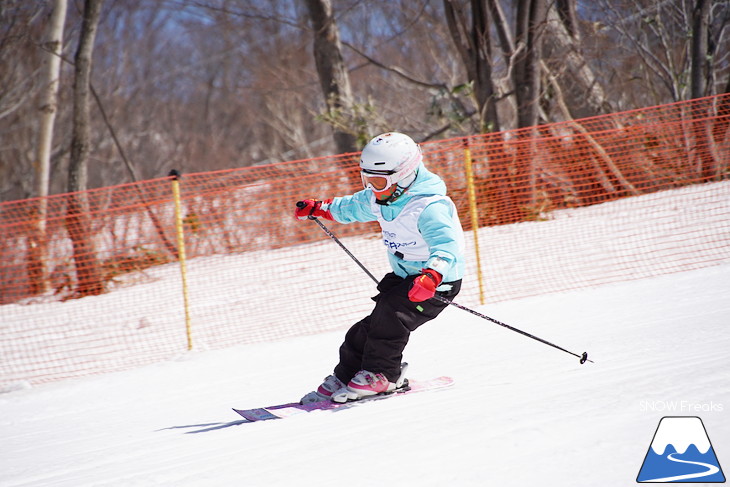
366 384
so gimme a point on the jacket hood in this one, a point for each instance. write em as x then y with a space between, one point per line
426 183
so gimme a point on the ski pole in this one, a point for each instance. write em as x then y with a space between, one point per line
342 246
583 357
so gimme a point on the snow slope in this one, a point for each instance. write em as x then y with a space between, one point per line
520 414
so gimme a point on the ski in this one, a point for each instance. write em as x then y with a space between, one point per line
282 411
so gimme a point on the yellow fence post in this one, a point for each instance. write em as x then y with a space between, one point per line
473 214
175 175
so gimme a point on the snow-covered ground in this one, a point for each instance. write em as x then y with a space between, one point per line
520 414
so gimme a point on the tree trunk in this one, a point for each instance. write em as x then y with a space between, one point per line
569 19
700 64
530 23
699 71
475 49
504 33
53 44
333 75
562 53
88 272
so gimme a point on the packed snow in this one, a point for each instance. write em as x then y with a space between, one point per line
521 413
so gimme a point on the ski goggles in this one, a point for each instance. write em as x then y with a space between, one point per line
378 180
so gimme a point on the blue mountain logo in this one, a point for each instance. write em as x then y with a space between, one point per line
681 452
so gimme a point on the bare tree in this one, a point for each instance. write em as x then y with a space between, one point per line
568 65
699 70
333 75
472 40
20 63
53 45
699 51
665 47
87 268
530 24
212 84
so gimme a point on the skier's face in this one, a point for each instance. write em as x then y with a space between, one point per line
377 181
386 193
382 183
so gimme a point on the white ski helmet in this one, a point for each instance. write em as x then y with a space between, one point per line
388 159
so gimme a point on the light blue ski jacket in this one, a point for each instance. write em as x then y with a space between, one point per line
438 224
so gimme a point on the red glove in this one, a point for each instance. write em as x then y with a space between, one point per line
424 286
313 209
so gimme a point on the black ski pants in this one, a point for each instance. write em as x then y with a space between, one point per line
376 342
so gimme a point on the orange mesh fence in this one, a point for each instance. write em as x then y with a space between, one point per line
92 282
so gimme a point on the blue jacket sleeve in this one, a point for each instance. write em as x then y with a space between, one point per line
352 208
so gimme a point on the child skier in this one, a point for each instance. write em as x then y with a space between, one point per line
425 243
